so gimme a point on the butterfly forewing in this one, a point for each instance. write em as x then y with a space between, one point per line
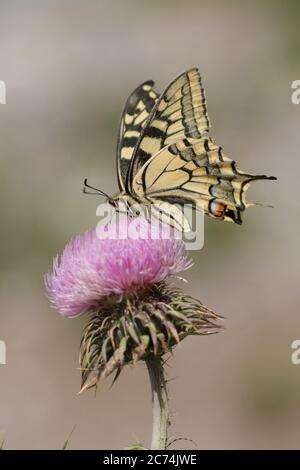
179 113
134 117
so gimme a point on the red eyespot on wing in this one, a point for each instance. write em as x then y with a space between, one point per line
217 209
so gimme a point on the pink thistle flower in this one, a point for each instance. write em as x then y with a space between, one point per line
92 267
119 274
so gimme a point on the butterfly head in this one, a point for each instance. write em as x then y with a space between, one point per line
121 202
124 203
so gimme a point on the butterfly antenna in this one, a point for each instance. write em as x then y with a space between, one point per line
96 190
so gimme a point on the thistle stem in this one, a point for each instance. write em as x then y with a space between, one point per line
159 402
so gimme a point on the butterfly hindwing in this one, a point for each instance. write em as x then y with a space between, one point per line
197 172
179 113
134 117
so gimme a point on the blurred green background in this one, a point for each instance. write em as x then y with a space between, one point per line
68 67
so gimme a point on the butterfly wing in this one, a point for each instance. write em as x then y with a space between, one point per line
199 173
179 113
134 116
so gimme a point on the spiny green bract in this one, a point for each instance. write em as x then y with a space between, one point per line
150 321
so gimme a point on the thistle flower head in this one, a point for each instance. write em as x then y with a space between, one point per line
121 282
92 267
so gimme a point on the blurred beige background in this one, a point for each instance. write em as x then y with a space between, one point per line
69 66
